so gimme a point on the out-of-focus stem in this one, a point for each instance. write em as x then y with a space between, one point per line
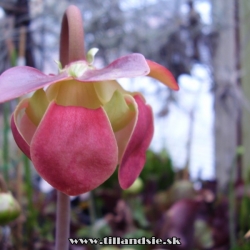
3 186
29 192
93 217
232 207
19 184
62 221
6 141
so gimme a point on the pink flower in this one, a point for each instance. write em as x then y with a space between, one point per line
84 124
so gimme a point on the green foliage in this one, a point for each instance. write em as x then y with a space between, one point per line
101 227
139 233
245 246
112 181
139 213
45 230
203 234
244 214
158 168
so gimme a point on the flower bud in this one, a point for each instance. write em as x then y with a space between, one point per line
9 208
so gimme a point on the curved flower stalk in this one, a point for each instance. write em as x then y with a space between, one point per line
78 129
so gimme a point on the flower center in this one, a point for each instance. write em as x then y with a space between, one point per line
77 69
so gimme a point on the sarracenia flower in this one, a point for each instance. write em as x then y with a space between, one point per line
78 129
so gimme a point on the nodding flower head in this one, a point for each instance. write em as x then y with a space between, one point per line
78 129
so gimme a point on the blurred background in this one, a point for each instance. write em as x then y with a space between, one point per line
195 184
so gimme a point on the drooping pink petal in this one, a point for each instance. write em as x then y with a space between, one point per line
18 81
22 128
125 67
134 157
74 148
162 74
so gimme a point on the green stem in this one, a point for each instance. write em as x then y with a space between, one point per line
62 221
6 141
